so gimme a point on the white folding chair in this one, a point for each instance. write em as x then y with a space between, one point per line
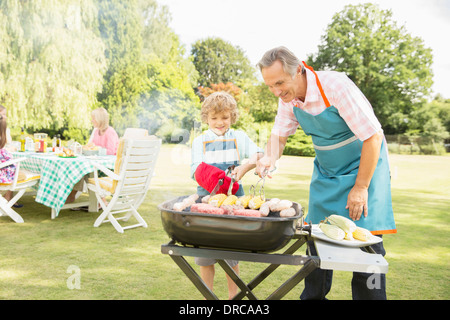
135 133
23 179
128 184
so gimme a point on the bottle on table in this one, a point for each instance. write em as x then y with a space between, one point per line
22 141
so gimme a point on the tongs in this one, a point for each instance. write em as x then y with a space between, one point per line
233 179
262 180
220 182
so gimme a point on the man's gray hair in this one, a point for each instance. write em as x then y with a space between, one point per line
289 61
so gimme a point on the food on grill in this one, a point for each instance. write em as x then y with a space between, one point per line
342 222
362 234
332 231
289 212
265 209
206 208
255 203
187 202
272 202
230 200
229 208
248 205
281 205
244 200
217 199
247 213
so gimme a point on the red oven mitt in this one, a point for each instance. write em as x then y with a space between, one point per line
207 176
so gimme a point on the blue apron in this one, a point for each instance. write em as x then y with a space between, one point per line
336 165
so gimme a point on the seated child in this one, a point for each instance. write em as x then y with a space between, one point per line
222 147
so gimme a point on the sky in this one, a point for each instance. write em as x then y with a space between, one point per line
259 25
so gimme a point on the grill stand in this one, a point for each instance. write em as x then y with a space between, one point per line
309 263
330 257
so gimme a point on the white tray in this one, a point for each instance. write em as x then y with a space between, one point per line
318 234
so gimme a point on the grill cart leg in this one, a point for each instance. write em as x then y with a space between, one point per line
286 287
194 277
309 263
271 268
244 288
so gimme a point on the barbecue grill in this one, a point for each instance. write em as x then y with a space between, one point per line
256 234
254 239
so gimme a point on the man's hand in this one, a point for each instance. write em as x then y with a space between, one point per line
264 166
358 197
357 202
274 150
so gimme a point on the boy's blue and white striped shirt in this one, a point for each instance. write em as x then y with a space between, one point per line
222 151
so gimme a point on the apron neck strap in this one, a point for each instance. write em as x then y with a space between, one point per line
319 85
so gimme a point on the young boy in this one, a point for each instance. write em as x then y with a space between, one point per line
222 147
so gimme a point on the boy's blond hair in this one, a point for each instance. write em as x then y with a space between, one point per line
219 102
102 117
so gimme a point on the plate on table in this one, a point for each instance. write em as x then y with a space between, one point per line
318 234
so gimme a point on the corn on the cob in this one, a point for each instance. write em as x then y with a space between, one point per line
255 203
229 200
348 236
332 231
244 200
342 222
217 199
362 234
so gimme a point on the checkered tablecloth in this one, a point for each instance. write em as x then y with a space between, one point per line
59 175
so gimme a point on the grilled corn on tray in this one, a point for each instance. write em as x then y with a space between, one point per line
318 233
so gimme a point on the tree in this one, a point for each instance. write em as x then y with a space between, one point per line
391 67
51 63
120 26
262 104
218 61
148 83
229 87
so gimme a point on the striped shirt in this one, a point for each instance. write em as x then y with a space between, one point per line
222 151
342 93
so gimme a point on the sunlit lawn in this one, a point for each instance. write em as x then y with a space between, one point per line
36 255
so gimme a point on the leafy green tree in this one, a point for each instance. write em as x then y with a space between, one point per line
51 63
120 26
261 103
168 102
391 67
441 107
148 83
432 121
218 61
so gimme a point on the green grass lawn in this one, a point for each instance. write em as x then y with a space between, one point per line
37 256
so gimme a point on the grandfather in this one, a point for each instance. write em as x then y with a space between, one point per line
351 174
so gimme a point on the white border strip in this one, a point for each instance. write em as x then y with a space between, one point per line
337 145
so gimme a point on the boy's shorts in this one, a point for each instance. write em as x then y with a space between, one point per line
203 262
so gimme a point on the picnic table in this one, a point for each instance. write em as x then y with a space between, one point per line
59 175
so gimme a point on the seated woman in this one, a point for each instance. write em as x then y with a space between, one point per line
10 148
103 136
